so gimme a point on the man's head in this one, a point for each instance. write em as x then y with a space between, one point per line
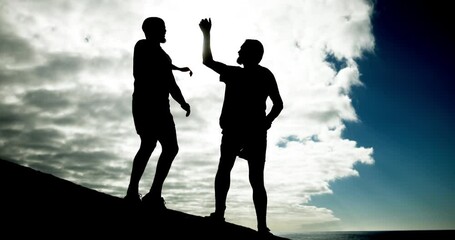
154 29
251 52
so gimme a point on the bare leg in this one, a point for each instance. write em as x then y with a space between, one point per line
222 183
139 164
256 177
169 151
223 175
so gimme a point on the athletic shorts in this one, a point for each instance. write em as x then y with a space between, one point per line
249 145
152 123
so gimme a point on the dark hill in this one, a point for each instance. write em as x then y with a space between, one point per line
36 204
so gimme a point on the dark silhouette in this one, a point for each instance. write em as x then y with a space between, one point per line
243 121
153 82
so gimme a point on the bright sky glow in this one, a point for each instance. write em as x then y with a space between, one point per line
66 77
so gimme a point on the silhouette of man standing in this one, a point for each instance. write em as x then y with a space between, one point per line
243 121
153 82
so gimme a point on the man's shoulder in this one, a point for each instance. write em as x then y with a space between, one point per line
141 42
264 69
264 73
140 45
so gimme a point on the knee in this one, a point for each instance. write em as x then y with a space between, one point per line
256 182
147 147
258 189
148 142
171 150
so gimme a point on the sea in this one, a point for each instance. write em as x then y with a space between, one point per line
373 235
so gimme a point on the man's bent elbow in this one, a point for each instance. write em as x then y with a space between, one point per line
279 105
280 108
207 62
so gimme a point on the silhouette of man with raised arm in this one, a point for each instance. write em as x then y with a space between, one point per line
243 121
153 83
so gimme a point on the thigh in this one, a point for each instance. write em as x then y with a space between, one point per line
254 147
230 147
167 134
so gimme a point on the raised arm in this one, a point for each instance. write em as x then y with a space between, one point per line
207 58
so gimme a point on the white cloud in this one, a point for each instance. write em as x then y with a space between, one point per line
66 108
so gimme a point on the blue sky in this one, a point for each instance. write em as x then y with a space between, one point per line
363 142
406 112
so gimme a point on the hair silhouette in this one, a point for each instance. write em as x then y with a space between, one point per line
253 51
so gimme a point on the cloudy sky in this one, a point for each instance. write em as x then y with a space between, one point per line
362 116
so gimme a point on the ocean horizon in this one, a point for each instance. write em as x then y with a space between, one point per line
373 235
